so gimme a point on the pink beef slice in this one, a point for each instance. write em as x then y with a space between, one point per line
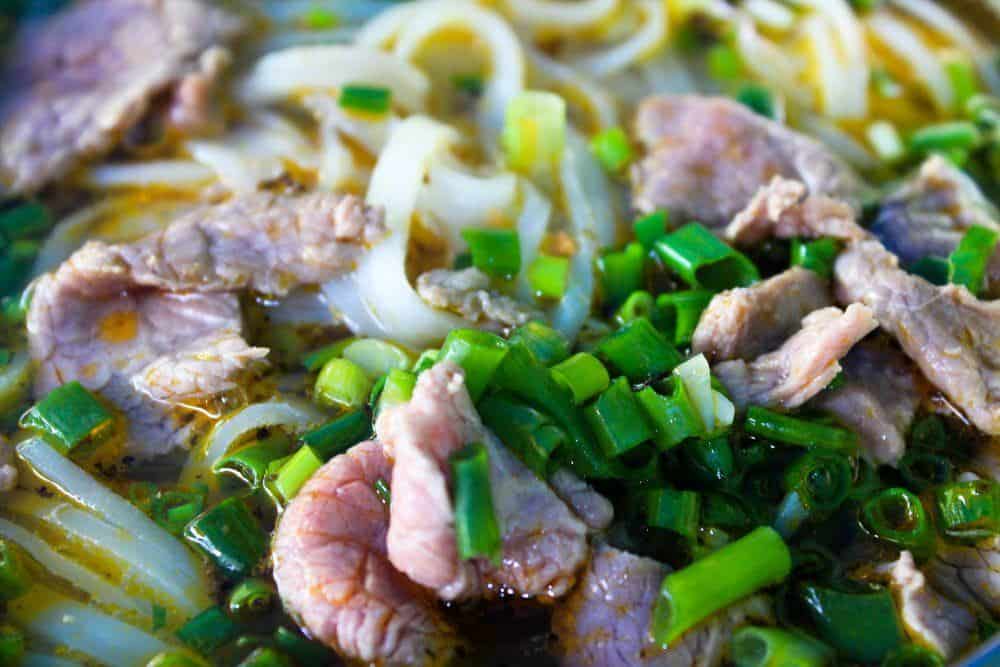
155 325
606 621
706 157
79 81
544 542
746 322
952 336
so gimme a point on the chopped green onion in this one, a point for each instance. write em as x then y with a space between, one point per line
12 645
639 351
822 478
638 304
477 533
534 132
426 359
317 358
252 597
690 595
817 256
964 80
296 471
621 272
176 658
496 252
758 99
365 99
250 463
319 18
773 647
922 470
961 135
230 536
863 627
265 656
911 655
967 262
584 375
208 631
68 416
612 149
650 227
479 353
5 357
772 425
969 510
617 420
343 383
703 261
678 313
470 84
932 269
304 651
897 516
715 409
15 580
727 511
546 344
27 220
377 357
530 434
548 276
885 139
337 436
709 461
673 510
398 388
724 63
463 260
674 418
382 491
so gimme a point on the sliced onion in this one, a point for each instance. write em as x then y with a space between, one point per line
179 174
282 74
641 42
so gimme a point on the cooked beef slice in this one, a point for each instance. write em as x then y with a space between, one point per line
878 400
77 83
136 321
804 365
784 209
606 620
467 292
746 322
969 573
544 542
953 337
706 157
931 211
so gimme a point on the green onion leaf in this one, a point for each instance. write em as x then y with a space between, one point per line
639 351
495 252
230 536
295 472
617 420
337 436
470 84
208 631
612 149
673 510
817 256
479 353
477 532
703 261
397 389
724 63
911 655
24 221
319 18
967 262
969 510
678 313
15 580
546 345
584 375
68 416
365 99
530 434
793 431
758 99
12 645
548 276
964 80
343 383
621 272
773 647
377 357
534 132
897 516
649 228
960 135
250 463
932 269
638 304
674 418
862 627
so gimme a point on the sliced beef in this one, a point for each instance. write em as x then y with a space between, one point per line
929 618
785 209
544 543
334 577
878 400
969 573
76 84
147 315
593 509
706 157
953 337
931 210
746 322
805 364
467 292
606 621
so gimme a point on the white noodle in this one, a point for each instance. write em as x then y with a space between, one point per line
301 306
840 142
560 75
642 42
532 224
850 54
556 16
457 199
771 14
181 174
302 69
772 65
908 46
833 95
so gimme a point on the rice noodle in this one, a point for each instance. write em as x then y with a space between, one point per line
457 199
61 621
303 69
91 494
411 25
301 306
771 14
180 174
848 57
843 144
832 74
669 74
575 84
381 281
769 63
641 43
97 587
532 224
297 415
557 16
908 46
